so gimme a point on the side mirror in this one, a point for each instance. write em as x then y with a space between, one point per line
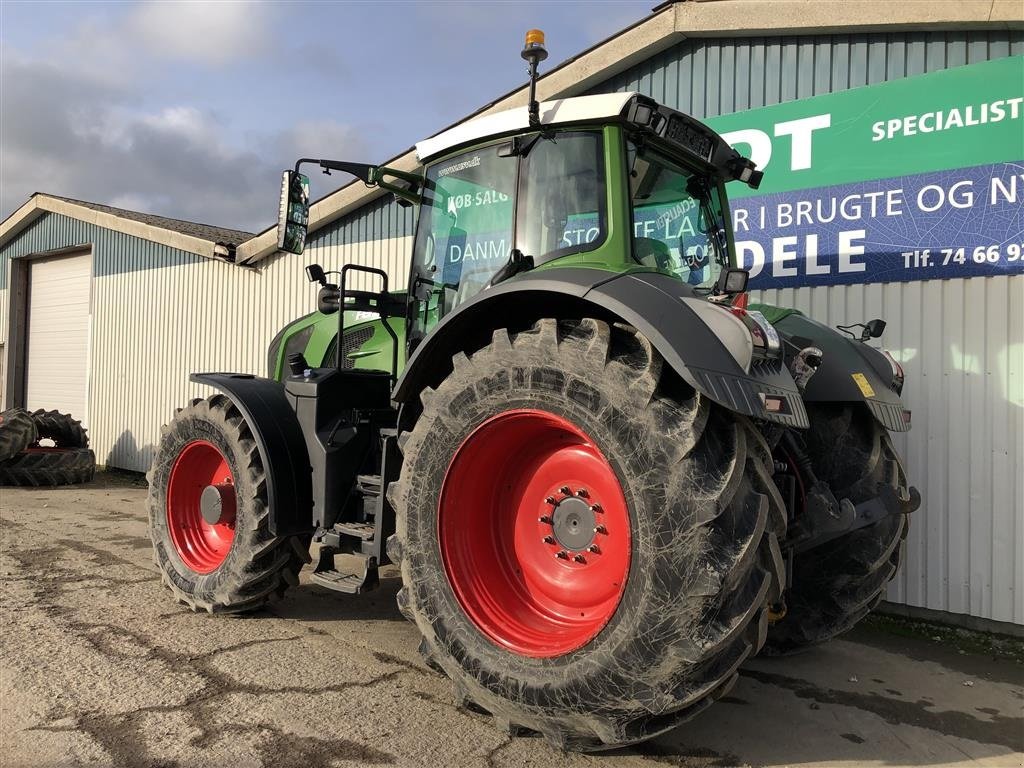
293 219
316 274
732 282
873 329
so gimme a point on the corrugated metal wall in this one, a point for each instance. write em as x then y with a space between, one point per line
378 233
159 314
960 341
708 77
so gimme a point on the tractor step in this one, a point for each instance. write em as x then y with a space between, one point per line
362 531
368 485
327 575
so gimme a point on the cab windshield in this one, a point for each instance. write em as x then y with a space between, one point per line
678 218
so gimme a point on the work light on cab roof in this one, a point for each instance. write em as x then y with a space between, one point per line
568 427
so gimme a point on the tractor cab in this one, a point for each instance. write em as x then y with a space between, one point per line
591 186
611 182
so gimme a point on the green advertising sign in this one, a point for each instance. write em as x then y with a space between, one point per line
956 118
914 179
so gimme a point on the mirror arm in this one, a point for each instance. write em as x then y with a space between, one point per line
380 171
409 193
362 171
404 193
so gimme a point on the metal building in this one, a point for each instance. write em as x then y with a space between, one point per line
166 302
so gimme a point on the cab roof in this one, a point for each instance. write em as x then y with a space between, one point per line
605 106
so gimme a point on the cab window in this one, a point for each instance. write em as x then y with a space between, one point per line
678 218
561 196
464 234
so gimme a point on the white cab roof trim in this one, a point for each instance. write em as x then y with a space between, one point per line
574 110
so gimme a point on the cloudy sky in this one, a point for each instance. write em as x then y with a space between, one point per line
192 109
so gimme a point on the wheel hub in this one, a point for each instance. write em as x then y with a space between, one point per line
574 524
201 506
217 503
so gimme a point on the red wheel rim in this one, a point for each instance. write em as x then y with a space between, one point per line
201 468
534 533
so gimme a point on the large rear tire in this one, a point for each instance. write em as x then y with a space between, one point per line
208 514
494 569
839 583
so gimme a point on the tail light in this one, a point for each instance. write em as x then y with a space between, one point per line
897 371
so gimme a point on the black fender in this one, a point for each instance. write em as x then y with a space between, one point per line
665 310
281 445
850 371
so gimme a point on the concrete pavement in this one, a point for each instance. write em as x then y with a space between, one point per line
99 667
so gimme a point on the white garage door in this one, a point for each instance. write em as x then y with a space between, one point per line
58 334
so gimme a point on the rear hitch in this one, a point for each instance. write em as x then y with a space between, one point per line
825 517
820 529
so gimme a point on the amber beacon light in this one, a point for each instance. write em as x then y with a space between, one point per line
534 52
534 47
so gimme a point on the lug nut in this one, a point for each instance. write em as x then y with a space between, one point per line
596 508
545 519
602 530
549 539
550 500
580 559
595 549
565 490
563 555
582 493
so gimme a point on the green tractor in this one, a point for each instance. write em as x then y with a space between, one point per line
606 479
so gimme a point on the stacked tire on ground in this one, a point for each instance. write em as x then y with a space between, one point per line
43 448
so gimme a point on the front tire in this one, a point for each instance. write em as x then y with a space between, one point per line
208 514
691 543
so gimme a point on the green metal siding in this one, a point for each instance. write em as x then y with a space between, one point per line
706 77
383 218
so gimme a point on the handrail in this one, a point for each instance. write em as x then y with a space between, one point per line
380 309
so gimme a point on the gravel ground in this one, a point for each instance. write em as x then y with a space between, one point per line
98 666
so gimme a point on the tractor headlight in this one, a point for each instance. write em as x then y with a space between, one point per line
273 354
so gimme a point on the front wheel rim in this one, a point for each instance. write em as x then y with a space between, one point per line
534 533
201 506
